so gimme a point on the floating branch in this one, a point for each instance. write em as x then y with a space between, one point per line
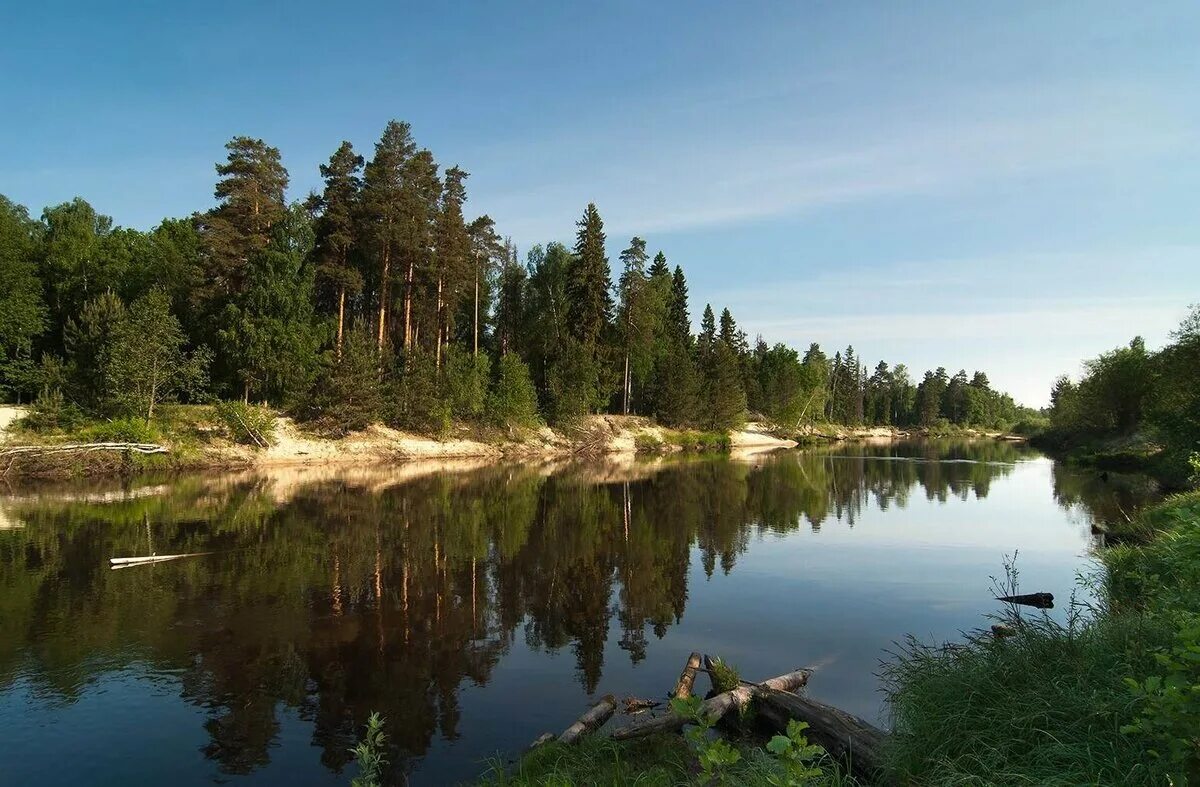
126 562
77 448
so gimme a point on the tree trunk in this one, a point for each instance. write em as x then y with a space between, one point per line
715 707
384 295
438 322
625 388
341 318
590 721
683 689
857 744
408 288
477 307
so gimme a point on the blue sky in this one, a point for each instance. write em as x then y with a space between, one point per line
1006 186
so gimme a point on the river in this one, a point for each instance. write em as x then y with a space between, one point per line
476 607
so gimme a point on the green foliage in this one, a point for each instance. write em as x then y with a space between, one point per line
147 364
1169 717
347 395
370 754
512 402
418 400
121 430
465 383
796 756
715 755
246 423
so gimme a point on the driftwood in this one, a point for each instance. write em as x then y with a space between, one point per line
542 739
1039 600
714 707
857 744
1001 631
126 562
634 705
45 450
590 721
687 678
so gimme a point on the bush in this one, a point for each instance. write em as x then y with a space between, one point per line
512 401
418 403
120 430
465 383
246 423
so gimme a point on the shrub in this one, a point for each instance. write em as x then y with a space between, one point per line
512 401
121 430
465 383
246 423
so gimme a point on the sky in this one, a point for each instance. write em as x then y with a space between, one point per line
1001 186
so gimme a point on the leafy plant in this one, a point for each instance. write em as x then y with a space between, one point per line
725 676
370 754
715 755
1170 705
795 756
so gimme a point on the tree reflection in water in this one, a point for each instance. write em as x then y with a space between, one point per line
385 588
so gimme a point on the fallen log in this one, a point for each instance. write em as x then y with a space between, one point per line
1039 600
44 450
687 678
590 721
714 707
856 743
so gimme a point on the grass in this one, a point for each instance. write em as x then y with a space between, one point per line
1110 697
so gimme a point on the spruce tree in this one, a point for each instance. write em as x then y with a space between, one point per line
589 286
636 323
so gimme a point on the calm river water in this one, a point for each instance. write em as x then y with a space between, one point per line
478 607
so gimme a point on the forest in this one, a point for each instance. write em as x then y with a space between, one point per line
1134 407
379 300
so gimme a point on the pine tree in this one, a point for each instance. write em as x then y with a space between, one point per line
452 258
251 195
335 229
384 214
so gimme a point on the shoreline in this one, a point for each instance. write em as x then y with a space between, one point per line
598 436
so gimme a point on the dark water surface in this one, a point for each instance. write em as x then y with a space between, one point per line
477 608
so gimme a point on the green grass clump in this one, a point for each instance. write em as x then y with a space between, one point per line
701 442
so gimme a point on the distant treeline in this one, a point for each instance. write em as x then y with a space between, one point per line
1132 395
378 300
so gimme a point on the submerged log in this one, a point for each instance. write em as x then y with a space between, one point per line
1039 600
687 678
714 707
856 743
590 721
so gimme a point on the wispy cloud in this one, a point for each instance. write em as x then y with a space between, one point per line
773 159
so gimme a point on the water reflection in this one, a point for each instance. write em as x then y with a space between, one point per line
337 593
